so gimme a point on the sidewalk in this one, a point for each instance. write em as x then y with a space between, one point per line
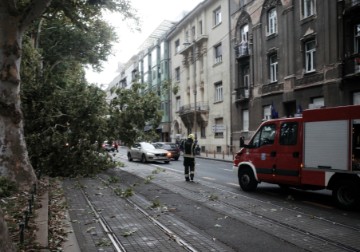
226 157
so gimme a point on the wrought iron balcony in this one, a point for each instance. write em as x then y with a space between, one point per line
242 94
190 108
242 49
352 66
188 111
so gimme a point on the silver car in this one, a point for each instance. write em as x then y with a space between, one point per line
146 152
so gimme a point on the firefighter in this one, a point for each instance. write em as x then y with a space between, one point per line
189 158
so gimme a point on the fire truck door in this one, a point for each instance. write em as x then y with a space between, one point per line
289 158
262 152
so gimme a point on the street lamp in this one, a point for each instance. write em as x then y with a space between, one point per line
195 87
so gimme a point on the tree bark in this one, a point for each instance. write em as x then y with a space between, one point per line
14 160
5 242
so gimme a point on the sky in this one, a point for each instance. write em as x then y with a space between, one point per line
151 14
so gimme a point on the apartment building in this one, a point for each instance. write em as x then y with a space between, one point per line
289 56
201 94
233 63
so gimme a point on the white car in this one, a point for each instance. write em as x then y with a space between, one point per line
146 152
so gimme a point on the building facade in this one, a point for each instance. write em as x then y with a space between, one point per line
201 97
234 63
289 56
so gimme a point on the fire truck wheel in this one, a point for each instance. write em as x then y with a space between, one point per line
247 180
346 194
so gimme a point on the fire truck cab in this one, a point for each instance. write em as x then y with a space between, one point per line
319 150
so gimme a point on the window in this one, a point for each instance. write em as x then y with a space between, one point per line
246 74
219 125
357 39
265 136
218 53
245 120
217 16
193 32
177 46
267 112
187 36
272 21
308 8
218 92
273 67
288 133
310 56
244 33
178 103
356 98
317 102
177 74
200 27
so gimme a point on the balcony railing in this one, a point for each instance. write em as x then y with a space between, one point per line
242 94
190 108
352 65
242 49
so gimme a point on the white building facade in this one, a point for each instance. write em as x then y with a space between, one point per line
199 53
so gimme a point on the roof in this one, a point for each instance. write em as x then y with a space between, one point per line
157 34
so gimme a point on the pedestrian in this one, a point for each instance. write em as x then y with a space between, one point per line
116 145
189 158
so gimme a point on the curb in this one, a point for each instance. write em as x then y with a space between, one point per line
42 219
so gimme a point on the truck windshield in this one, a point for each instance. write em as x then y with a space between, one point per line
264 136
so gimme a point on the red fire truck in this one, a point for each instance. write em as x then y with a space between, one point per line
318 150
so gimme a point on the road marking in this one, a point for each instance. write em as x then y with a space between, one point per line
230 170
317 204
233 184
208 178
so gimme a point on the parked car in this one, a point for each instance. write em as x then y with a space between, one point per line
107 146
146 152
170 147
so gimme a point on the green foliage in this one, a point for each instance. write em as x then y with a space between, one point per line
131 111
7 187
64 117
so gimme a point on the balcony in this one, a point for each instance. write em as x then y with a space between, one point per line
242 50
186 113
352 66
242 94
352 7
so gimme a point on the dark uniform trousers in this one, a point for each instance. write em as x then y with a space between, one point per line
189 160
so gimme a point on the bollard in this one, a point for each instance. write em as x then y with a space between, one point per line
214 154
30 210
223 155
26 218
34 188
21 226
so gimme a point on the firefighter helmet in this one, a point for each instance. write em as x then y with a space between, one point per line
191 136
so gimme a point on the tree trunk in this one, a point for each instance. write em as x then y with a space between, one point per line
5 241
14 160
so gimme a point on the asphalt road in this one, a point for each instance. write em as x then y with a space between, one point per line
221 173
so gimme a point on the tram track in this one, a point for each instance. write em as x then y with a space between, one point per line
321 233
121 244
